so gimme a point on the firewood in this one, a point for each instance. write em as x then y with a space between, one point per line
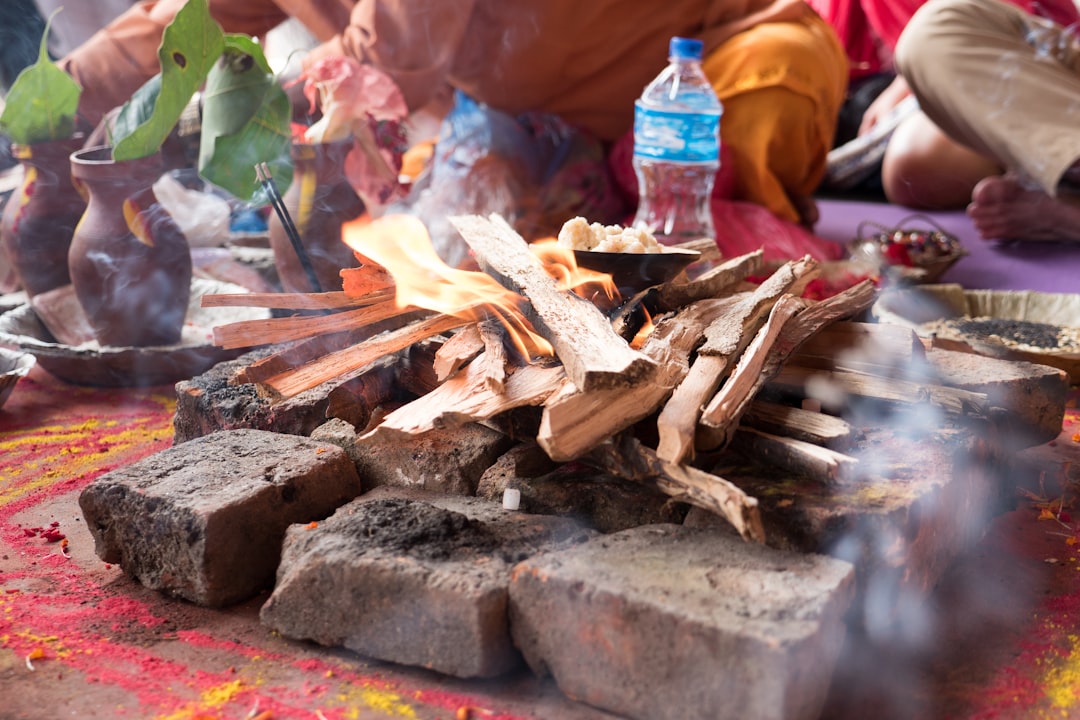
812 427
493 360
250 333
891 390
797 456
296 301
349 362
627 458
872 348
713 282
574 421
593 355
787 328
463 346
725 339
468 397
366 279
355 401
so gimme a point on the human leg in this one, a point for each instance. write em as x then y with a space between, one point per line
925 169
999 81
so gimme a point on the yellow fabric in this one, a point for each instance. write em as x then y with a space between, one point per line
771 79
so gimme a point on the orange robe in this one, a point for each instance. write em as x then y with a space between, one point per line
584 61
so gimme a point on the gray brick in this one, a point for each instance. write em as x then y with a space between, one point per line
204 520
411 582
665 622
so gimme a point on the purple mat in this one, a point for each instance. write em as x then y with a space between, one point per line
989 265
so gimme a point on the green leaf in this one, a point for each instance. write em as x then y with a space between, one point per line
190 46
246 121
42 102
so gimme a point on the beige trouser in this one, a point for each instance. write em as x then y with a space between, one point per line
998 80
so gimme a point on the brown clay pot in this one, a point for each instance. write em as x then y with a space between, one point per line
320 200
40 217
130 264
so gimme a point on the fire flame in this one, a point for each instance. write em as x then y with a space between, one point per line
402 245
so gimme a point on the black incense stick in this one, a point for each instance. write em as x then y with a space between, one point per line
262 172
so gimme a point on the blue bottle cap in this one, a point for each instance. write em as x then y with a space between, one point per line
685 48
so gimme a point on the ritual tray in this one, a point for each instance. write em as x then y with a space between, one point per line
89 363
1036 327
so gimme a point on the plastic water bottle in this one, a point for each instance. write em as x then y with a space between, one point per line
677 148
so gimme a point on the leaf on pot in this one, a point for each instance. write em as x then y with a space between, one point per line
42 102
246 121
190 45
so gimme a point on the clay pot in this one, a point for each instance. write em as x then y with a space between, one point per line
320 200
130 263
40 217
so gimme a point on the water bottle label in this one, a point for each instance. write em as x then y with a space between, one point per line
676 136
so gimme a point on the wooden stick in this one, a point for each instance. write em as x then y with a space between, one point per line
627 458
812 427
796 456
468 397
712 283
248 333
346 363
463 346
296 301
904 392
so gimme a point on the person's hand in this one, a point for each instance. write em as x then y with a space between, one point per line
884 103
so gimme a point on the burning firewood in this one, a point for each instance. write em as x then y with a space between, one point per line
593 355
724 340
788 327
627 458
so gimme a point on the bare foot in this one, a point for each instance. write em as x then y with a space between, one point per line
1003 209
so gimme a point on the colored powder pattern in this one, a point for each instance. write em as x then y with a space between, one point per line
54 440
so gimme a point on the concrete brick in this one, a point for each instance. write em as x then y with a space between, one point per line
411 578
450 460
665 622
204 520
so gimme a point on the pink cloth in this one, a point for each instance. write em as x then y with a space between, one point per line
869 29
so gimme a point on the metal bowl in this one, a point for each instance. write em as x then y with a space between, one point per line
637 271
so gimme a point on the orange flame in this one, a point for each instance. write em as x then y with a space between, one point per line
402 245
561 263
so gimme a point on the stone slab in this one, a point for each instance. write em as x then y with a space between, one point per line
204 520
412 578
664 622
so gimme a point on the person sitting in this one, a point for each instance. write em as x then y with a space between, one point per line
1005 84
778 67
895 149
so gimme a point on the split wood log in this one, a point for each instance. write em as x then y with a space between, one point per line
249 333
574 421
349 362
494 359
459 349
296 301
771 348
872 348
627 458
837 383
468 397
797 456
812 427
593 355
724 340
712 283
367 279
